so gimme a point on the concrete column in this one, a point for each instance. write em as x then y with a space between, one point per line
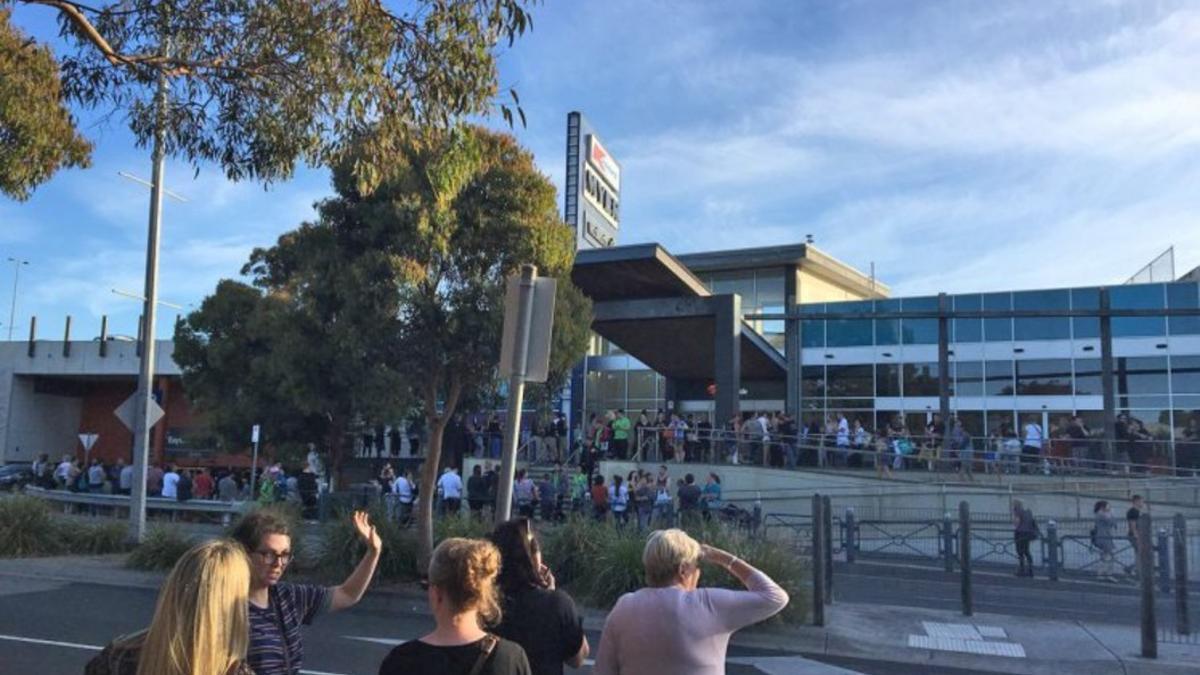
792 347
727 350
1106 377
944 363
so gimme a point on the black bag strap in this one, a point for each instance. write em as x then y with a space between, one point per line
489 645
283 638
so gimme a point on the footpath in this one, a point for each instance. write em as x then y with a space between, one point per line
854 632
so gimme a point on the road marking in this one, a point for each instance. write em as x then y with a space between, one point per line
52 643
966 638
96 648
389 642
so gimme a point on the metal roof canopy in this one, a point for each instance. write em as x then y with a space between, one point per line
655 309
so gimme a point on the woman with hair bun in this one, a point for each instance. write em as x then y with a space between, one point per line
462 594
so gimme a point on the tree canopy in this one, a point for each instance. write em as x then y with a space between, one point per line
256 85
393 295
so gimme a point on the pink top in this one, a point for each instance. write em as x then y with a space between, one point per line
670 631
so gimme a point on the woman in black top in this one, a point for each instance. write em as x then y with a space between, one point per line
462 595
536 616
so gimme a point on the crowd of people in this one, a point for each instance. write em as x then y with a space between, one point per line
225 609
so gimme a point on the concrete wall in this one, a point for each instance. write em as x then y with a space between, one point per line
39 423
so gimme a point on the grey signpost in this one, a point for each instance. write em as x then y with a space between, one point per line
254 432
524 357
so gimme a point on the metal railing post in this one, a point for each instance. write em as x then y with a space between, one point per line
1146 574
851 538
964 556
818 562
1163 549
948 542
1051 548
1182 619
827 532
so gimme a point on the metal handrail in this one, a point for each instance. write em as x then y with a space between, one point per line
925 450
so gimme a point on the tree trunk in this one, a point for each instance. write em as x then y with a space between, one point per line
429 477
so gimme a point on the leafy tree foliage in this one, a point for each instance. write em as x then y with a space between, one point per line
257 85
37 133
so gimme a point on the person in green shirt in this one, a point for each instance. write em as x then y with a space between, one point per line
620 435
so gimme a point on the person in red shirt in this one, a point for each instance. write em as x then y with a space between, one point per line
599 498
202 485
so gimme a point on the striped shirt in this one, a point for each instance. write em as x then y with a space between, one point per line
276 647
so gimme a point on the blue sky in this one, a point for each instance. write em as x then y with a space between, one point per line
959 146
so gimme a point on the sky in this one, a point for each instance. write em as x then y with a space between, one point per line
957 146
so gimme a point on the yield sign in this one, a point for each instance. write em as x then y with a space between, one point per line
88 440
127 412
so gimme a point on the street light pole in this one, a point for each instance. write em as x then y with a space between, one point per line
12 309
145 391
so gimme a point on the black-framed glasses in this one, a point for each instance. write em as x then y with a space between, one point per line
271 557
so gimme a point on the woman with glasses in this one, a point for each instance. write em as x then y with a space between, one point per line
537 616
277 609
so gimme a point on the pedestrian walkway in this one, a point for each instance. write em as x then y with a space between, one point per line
858 633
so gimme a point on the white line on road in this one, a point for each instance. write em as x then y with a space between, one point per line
96 648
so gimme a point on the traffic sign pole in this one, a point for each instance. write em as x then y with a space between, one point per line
516 391
254 462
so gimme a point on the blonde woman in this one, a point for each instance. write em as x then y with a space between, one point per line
674 627
463 597
200 625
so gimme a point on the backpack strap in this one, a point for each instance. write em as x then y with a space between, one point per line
489 645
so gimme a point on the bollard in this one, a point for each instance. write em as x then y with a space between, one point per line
1163 550
1051 548
1146 575
948 542
827 533
964 556
818 563
851 537
1182 619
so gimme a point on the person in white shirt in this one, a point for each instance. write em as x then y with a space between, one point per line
1031 449
170 488
402 488
842 440
765 429
451 486
125 479
63 473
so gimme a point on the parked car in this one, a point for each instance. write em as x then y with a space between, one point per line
15 476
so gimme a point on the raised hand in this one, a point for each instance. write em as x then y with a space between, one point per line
366 531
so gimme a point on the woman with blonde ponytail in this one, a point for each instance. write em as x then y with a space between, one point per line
463 597
200 624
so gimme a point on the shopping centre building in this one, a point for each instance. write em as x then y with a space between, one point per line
790 328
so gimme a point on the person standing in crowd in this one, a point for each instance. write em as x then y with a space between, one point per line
1132 518
560 434
710 497
618 498
540 618
405 493
200 622
1031 447
620 435
278 608
1104 532
170 483
1025 532
689 501
673 627
183 487
524 493
154 480
664 513
477 491
841 458
599 499
95 477
227 487
202 485
462 595
451 486
125 479
62 473
547 493
643 500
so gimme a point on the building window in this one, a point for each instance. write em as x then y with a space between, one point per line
967 330
998 378
850 381
849 332
968 378
1141 376
1088 378
920 379
1184 296
1138 296
887 379
1185 374
1042 328
1044 377
887 331
997 330
1084 328
919 331
812 382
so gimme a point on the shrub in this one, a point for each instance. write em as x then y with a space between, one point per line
27 528
340 549
161 549
456 526
98 539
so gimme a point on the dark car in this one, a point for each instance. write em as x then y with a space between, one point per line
15 476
